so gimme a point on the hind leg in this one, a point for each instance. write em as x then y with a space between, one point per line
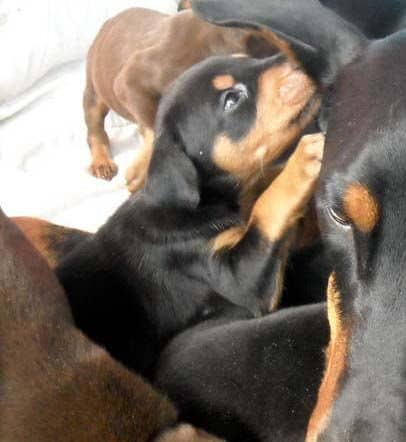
137 171
102 165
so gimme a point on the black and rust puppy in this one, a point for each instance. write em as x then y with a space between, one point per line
249 381
197 242
56 385
361 207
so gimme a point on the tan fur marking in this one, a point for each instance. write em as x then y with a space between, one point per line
239 55
278 43
35 231
228 239
361 207
285 200
137 172
272 132
187 433
223 82
336 355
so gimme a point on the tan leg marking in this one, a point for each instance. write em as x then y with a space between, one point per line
336 355
137 172
187 433
102 166
285 200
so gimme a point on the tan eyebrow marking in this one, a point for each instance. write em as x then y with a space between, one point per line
361 207
223 82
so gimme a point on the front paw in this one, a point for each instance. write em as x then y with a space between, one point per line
106 169
308 156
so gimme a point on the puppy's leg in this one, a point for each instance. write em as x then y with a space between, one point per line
136 173
134 89
102 166
260 248
285 200
187 433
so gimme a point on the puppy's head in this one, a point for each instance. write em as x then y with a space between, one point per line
224 121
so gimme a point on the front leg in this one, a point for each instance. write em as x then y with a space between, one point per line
247 263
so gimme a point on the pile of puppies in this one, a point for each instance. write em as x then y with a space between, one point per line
184 284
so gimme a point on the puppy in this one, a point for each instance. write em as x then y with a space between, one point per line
133 60
56 385
208 235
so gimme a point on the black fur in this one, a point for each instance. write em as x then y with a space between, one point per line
150 271
365 144
249 381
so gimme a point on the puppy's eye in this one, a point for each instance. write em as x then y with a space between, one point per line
231 98
338 217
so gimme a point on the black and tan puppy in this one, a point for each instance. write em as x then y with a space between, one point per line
56 385
132 62
201 240
249 381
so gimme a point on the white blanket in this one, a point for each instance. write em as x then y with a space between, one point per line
43 151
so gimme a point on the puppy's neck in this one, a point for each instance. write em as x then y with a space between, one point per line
220 190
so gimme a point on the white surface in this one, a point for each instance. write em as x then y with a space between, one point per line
43 151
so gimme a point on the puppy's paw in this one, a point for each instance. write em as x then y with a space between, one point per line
136 184
135 175
106 169
187 433
308 156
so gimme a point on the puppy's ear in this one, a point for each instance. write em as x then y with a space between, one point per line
322 40
172 179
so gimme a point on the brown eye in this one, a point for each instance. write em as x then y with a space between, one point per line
231 98
338 218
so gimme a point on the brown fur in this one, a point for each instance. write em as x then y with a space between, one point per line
46 237
336 355
56 385
132 62
361 207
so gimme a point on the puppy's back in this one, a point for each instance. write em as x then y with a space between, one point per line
55 383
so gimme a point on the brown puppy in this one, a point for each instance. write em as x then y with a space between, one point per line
133 60
56 385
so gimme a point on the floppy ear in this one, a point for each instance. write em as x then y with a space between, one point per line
172 179
322 40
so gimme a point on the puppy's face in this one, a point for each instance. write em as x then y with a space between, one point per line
235 115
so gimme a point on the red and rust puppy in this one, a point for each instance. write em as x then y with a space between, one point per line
133 60
55 383
180 251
